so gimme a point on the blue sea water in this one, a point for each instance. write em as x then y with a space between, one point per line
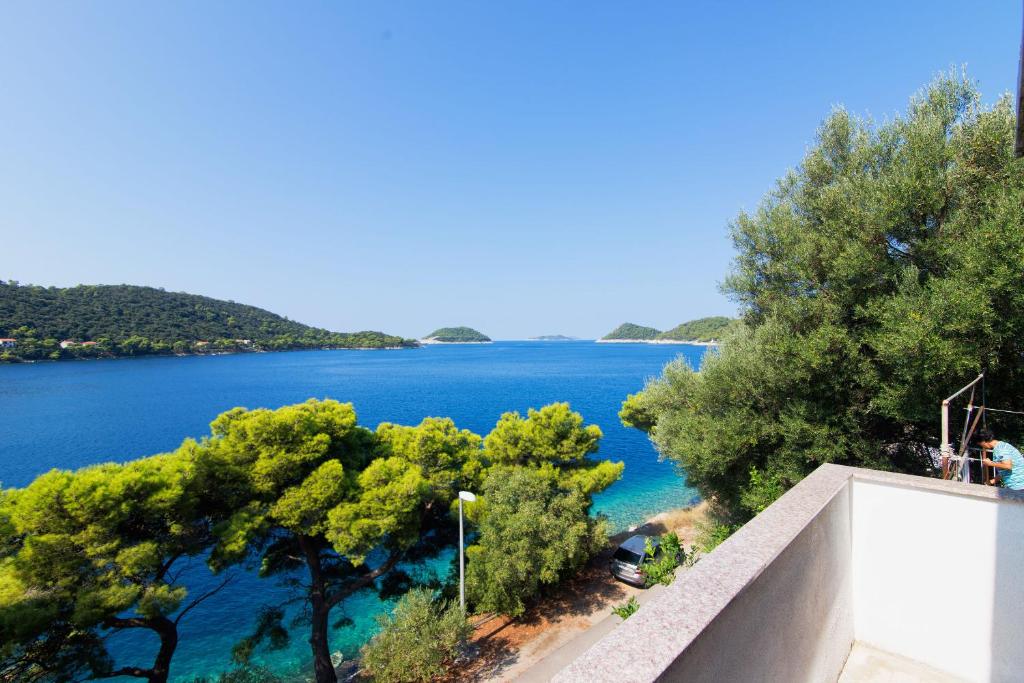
72 414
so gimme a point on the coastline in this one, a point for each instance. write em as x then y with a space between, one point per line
20 361
429 342
656 341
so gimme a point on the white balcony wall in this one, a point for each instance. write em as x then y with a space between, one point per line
929 571
939 578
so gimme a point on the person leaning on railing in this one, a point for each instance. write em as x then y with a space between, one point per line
1006 460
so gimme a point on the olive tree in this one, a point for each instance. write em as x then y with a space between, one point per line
880 274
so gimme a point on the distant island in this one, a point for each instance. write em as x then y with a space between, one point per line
553 337
631 332
110 321
700 331
456 335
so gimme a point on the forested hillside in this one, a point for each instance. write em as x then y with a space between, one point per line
457 335
701 329
631 331
126 320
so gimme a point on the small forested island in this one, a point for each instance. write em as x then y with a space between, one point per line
109 321
630 332
699 331
456 335
553 337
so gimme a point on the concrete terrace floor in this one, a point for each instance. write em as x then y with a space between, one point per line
870 665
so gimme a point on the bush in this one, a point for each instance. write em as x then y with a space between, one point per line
417 641
625 611
535 534
663 570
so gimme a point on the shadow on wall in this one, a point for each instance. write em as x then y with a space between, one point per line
1007 642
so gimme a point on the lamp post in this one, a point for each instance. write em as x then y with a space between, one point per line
469 498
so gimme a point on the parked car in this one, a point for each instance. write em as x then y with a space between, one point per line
627 564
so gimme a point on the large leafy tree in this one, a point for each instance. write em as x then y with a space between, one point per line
88 553
311 490
283 473
534 526
882 273
552 438
534 534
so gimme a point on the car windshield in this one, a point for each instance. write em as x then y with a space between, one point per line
627 556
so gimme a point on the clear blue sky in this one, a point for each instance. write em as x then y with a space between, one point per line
523 168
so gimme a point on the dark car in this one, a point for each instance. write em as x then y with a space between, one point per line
627 564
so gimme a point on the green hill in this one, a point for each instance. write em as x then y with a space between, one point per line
457 335
701 329
631 331
126 320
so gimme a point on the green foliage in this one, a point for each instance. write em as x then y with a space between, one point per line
458 334
446 455
92 551
125 320
534 534
875 279
416 641
269 629
761 491
534 526
714 534
300 488
660 564
631 331
552 434
701 329
627 609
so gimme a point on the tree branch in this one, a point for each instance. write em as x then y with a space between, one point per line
129 622
366 579
166 566
210 593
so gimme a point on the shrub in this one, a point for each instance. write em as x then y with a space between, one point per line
417 641
628 609
663 569
535 534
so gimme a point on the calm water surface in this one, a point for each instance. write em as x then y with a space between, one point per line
72 414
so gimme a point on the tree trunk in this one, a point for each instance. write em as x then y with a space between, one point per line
168 632
323 668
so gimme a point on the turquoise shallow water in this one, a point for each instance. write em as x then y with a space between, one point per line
77 413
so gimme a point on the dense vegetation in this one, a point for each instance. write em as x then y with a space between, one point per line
125 320
631 331
417 641
878 277
701 329
325 505
456 335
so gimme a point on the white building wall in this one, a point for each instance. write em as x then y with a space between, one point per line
940 578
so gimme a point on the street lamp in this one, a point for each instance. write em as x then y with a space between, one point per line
469 498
